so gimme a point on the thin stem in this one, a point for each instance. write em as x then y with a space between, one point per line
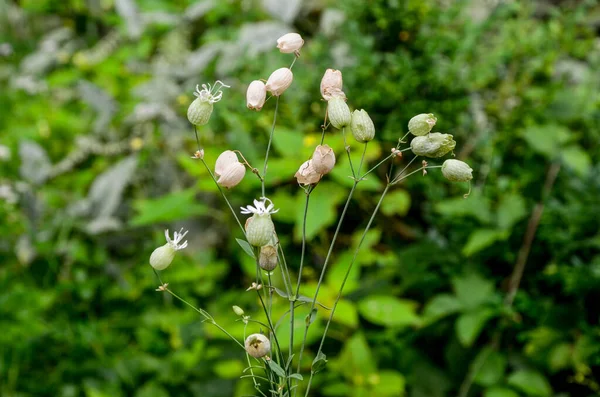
299 272
264 174
334 239
362 159
395 180
381 162
347 149
339 295
207 316
303 242
284 270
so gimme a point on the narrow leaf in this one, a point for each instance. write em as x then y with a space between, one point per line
246 247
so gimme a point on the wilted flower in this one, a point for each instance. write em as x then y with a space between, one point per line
279 81
433 145
162 257
306 174
338 112
256 95
291 42
229 170
200 110
258 345
267 259
323 159
421 124
331 83
362 126
457 171
259 227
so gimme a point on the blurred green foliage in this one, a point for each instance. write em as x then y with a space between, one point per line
95 163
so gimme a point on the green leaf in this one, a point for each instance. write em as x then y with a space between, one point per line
500 392
547 140
440 306
511 210
319 363
296 376
560 357
577 159
396 202
276 368
246 247
491 365
172 207
477 206
346 313
389 383
289 143
469 325
228 369
483 238
472 290
531 383
389 311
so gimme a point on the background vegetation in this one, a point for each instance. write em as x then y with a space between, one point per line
95 163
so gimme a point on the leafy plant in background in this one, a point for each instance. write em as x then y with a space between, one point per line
95 158
273 372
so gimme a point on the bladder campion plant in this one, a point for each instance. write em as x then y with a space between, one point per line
273 371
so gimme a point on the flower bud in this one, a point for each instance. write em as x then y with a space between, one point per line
279 81
238 310
331 82
258 345
338 112
433 145
323 159
232 175
224 160
289 43
306 174
421 124
162 257
457 171
199 111
268 258
259 229
362 126
256 95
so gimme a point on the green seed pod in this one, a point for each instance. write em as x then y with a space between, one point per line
362 126
338 112
238 310
268 258
259 229
257 345
199 111
457 171
432 145
162 257
421 124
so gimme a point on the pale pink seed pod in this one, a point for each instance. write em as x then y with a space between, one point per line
306 174
224 160
279 81
256 95
330 83
289 43
232 175
323 159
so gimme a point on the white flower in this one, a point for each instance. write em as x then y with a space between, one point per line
260 208
210 94
162 257
177 237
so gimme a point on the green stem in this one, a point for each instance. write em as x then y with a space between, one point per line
264 174
202 312
347 149
337 299
335 235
